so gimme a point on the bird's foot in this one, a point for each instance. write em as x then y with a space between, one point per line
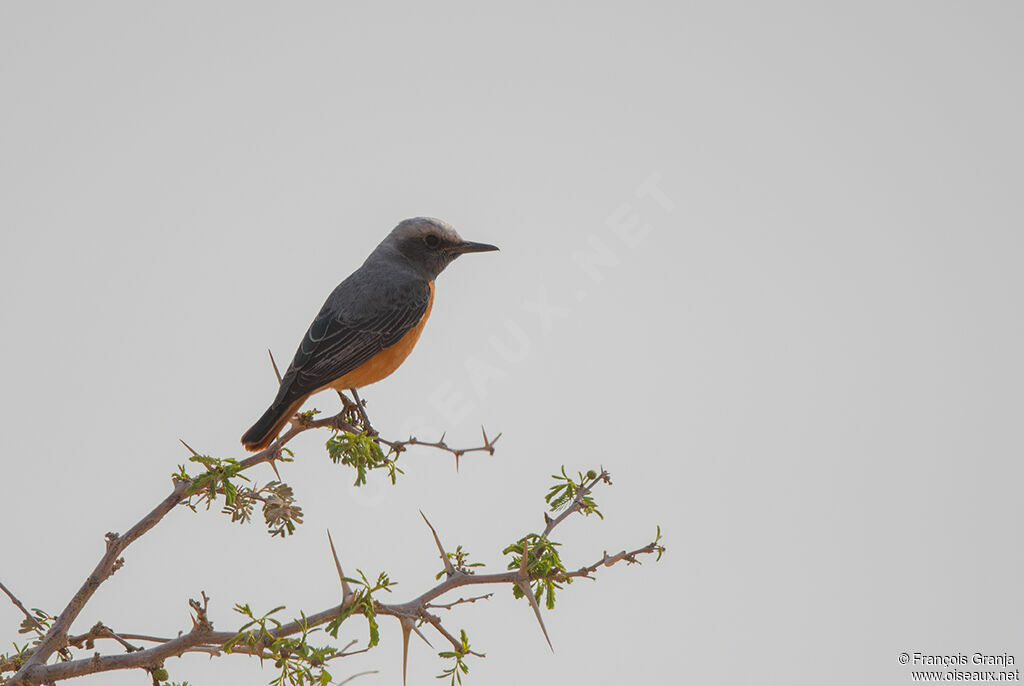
354 412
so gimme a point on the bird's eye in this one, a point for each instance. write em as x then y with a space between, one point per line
431 240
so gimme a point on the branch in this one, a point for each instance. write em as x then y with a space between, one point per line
400 446
606 561
100 630
56 638
411 613
354 420
460 601
29 618
150 657
577 504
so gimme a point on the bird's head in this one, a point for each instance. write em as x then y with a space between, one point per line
430 244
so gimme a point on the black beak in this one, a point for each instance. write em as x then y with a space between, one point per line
469 246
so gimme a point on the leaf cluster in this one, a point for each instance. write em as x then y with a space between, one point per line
300 662
205 486
566 489
658 548
39 622
280 511
455 672
361 602
12 662
362 452
460 560
542 562
540 570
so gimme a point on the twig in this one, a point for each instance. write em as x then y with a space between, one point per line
401 446
28 615
607 561
100 630
576 503
339 422
145 637
460 601
197 638
202 637
435 621
56 637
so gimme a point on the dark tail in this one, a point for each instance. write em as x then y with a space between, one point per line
267 427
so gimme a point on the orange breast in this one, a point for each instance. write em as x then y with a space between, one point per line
387 360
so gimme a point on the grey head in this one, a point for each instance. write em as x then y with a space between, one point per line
429 245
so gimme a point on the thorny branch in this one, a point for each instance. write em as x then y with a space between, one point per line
345 422
30 620
577 504
353 419
411 614
56 639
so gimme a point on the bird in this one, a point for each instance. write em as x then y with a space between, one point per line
369 323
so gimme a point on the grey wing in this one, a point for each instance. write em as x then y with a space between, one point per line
338 342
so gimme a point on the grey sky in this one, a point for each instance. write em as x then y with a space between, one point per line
760 260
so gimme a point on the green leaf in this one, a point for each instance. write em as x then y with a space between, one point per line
362 452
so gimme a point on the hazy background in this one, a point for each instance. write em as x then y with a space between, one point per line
803 359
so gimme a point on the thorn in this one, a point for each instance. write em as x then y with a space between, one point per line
406 628
457 456
346 591
449 569
420 634
272 362
194 453
273 465
524 586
